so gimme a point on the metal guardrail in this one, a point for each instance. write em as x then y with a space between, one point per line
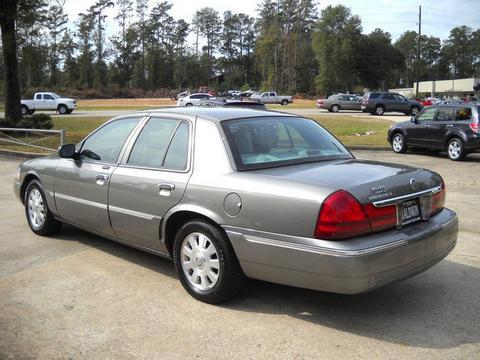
34 141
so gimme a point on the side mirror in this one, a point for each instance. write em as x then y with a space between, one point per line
67 151
413 119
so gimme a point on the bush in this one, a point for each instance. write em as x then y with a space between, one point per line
36 121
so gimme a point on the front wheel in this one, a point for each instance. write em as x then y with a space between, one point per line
456 149
398 143
206 263
284 102
379 110
62 109
414 110
39 217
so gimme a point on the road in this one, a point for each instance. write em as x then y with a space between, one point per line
396 117
79 296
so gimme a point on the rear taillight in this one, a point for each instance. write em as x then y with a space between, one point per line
438 200
475 127
341 216
381 218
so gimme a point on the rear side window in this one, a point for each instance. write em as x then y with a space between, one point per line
445 114
463 113
374 95
152 143
38 97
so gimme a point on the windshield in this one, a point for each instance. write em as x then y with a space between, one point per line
263 142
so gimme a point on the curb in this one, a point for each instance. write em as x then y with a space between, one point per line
20 154
366 147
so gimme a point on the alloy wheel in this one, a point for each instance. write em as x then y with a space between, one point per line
36 208
454 149
397 143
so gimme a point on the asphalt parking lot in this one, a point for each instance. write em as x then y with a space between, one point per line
80 296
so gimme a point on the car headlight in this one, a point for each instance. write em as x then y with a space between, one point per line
18 174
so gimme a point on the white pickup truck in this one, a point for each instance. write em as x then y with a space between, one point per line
271 97
48 101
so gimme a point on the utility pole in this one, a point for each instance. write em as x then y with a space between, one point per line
418 47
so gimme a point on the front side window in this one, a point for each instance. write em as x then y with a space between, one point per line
48 97
106 143
427 115
399 97
162 143
388 96
258 143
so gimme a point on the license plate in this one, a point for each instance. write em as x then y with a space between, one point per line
410 212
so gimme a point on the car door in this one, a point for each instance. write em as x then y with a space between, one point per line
81 186
388 101
48 102
38 101
401 103
151 179
436 131
343 102
419 133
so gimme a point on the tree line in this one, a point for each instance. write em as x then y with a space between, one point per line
290 47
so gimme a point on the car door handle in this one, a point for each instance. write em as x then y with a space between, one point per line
165 189
449 125
102 177
427 125
168 187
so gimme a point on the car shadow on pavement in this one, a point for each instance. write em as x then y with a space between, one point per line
130 254
437 154
436 309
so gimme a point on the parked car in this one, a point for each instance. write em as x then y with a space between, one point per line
232 103
182 94
454 128
271 97
194 99
48 101
234 192
378 103
338 102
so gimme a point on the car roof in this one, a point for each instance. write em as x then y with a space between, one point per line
219 113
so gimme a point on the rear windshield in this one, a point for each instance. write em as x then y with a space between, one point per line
264 142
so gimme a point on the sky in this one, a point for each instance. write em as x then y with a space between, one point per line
394 16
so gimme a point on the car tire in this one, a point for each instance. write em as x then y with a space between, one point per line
188 104
206 262
379 110
334 108
25 110
414 110
39 217
62 109
456 149
31 112
399 145
284 102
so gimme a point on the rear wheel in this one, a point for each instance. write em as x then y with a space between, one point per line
398 143
25 110
456 149
206 263
39 217
335 108
379 110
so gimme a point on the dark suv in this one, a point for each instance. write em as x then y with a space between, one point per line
454 128
378 103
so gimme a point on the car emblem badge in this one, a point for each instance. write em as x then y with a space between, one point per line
379 189
413 184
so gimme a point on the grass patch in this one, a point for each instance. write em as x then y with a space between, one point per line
345 128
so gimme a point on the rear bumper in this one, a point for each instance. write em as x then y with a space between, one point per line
349 266
473 143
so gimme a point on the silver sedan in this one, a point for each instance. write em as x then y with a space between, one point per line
234 193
